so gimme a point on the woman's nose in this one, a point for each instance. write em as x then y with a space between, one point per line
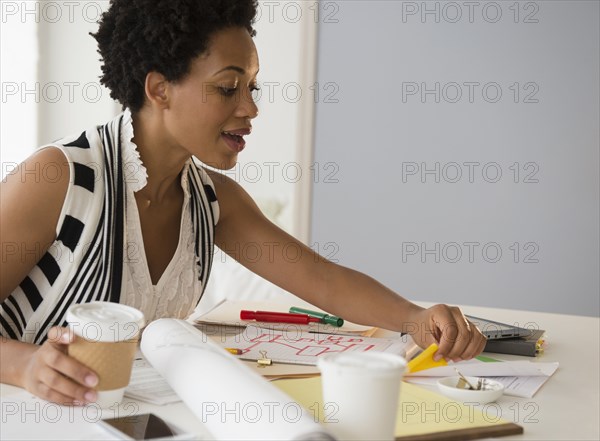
247 107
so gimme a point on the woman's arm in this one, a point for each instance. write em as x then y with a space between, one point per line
30 202
31 199
245 234
47 371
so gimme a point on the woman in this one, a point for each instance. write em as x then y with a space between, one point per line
131 218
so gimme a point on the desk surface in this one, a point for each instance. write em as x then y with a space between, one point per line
567 406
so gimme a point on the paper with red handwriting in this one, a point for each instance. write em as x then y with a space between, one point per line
298 347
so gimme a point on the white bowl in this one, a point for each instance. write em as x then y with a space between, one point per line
493 390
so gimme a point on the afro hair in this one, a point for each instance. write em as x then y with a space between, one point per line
139 36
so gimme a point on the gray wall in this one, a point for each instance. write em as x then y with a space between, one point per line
439 241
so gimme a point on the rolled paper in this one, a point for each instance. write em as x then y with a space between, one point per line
230 399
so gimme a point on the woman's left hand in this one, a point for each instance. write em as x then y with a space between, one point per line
457 338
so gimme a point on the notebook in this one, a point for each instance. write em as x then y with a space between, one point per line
423 415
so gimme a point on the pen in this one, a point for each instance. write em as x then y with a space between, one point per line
277 317
323 317
234 351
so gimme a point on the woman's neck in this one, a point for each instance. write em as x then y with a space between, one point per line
163 162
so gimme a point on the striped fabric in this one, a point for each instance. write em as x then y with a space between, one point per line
85 262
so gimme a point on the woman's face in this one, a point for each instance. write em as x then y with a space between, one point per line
211 109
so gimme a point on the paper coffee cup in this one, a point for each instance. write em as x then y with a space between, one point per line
360 394
106 341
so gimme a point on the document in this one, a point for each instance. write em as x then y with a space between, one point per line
525 387
520 378
304 348
148 385
477 368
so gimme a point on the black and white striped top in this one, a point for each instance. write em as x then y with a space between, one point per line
86 260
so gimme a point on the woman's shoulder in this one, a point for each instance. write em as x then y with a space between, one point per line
232 197
42 178
32 198
224 186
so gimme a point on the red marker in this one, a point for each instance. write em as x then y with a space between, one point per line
278 317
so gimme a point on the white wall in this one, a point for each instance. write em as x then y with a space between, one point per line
390 218
50 75
69 68
18 72
273 167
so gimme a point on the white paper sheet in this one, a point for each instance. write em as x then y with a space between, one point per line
524 387
477 368
297 347
232 401
520 378
148 385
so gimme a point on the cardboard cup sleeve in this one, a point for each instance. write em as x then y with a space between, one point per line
112 361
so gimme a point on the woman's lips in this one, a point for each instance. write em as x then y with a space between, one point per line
234 142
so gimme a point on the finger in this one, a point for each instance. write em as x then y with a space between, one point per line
475 345
65 386
68 366
47 393
463 336
475 340
59 336
445 323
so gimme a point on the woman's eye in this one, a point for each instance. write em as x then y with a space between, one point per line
254 92
230 91
227 91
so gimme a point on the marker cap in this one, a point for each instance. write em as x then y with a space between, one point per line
323 317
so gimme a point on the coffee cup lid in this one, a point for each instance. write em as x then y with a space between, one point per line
361 362
105 321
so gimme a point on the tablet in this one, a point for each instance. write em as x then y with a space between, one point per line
496 330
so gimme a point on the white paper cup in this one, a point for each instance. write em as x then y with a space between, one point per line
106 341
360 394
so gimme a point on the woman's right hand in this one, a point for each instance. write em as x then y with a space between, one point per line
52 375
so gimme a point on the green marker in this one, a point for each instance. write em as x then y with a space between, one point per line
325 318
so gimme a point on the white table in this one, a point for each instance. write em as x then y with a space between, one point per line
567 407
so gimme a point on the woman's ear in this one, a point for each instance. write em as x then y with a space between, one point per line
156 89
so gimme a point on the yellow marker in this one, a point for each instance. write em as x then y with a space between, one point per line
234 351
425 360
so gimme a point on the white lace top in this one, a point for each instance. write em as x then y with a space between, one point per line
179 289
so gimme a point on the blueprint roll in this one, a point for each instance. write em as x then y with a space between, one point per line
231 400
